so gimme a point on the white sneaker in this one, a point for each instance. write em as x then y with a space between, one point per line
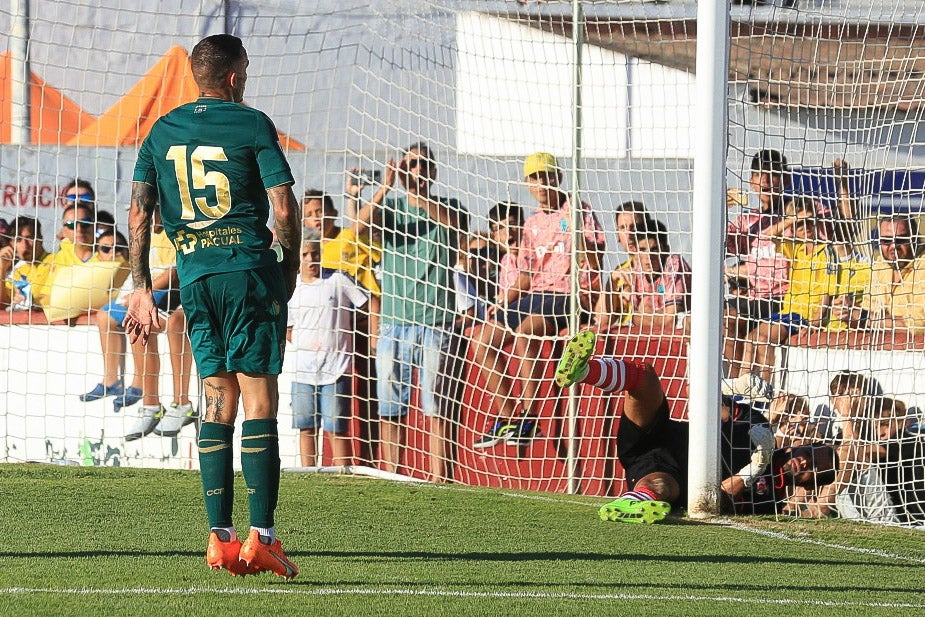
175 418
148 417
748 386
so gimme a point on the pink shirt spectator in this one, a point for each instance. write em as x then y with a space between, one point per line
672 287
508 272
547 247
768 271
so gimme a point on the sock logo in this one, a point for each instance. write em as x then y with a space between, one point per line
215 491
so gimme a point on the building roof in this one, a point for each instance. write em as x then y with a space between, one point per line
847 64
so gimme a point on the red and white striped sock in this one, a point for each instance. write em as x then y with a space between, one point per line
612 375
640 494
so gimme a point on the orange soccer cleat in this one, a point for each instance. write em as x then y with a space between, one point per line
270 557
227 555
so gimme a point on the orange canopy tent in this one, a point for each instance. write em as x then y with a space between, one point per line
168 84
54 117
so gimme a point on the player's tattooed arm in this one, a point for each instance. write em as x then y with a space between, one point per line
288 230
144 200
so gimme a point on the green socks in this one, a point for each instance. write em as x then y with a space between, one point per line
260 464
215 464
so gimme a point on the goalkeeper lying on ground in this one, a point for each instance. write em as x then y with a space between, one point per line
653 447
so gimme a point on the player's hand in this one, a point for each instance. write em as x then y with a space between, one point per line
141 317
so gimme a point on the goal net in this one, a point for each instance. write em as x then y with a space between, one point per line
513 112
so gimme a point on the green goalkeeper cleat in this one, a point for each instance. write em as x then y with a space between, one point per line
574 361
635 511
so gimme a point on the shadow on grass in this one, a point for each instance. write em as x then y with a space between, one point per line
513 557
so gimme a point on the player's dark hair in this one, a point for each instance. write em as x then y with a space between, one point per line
326 202
214 57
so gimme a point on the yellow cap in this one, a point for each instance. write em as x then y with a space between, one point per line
540 161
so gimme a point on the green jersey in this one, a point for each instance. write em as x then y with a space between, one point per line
418 257
212 162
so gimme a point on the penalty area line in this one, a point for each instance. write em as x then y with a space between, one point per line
449 593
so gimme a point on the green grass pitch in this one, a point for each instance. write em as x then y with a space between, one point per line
98 541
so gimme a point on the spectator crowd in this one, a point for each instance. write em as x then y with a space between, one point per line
394 301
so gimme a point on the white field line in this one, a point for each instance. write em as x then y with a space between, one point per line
449 593
854 549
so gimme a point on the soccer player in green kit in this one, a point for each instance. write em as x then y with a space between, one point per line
213 167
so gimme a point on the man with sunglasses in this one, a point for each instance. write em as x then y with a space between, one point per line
79 190
78 236
898 277
421 236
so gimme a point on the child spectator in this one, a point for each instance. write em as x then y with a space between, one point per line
506 222
539 305
755 271
320 328
352 250
25 267
853 397
866 496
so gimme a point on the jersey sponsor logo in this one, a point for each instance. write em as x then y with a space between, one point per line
188 241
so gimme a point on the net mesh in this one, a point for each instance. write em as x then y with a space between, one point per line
834 87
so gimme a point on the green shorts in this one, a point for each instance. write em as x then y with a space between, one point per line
237 321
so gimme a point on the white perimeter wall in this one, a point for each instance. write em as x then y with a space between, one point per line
42 419
43 370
